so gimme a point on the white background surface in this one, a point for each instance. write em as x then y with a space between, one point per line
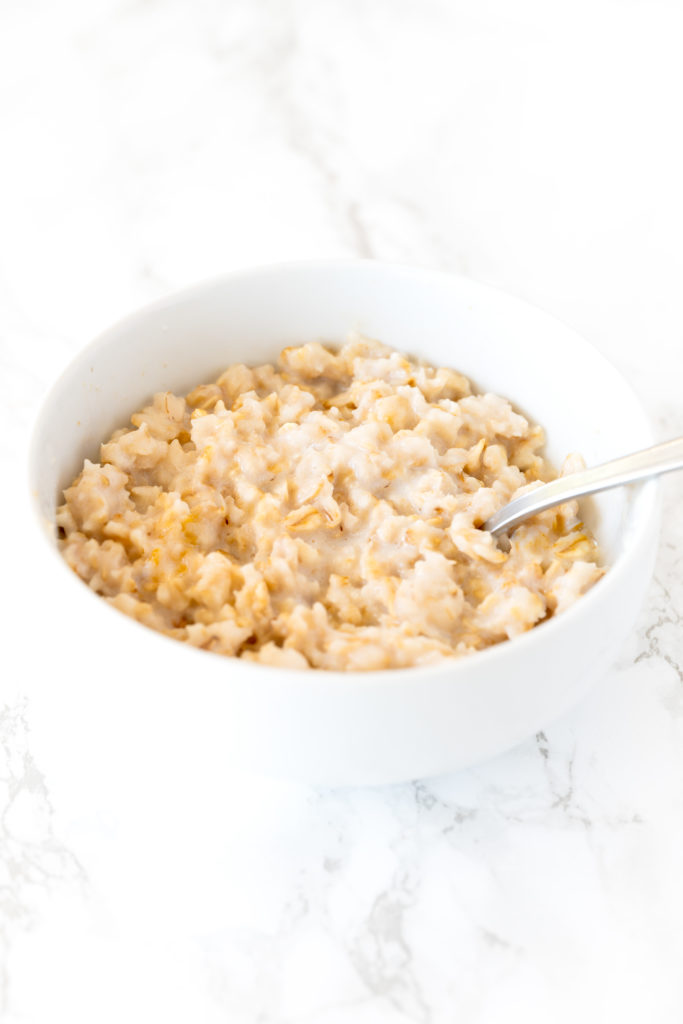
534 146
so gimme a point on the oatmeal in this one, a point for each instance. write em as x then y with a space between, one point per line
326 513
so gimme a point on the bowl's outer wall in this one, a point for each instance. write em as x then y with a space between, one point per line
143 695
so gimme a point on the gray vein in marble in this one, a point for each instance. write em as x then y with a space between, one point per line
310 138
34 862
382 954
667 615
660 638
273 57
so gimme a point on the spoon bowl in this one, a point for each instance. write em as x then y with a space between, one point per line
661 458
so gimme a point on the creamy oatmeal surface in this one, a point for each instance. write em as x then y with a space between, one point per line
325 513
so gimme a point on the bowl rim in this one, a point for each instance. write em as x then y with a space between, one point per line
642 523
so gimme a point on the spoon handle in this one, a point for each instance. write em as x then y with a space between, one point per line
662 458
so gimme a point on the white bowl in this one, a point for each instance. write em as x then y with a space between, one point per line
148 704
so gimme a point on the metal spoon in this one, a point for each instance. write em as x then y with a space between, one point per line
662 458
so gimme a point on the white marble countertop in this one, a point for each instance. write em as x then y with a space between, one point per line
148 144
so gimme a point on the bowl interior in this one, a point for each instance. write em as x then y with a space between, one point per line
503 345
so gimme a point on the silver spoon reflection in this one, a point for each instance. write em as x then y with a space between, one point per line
662 458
